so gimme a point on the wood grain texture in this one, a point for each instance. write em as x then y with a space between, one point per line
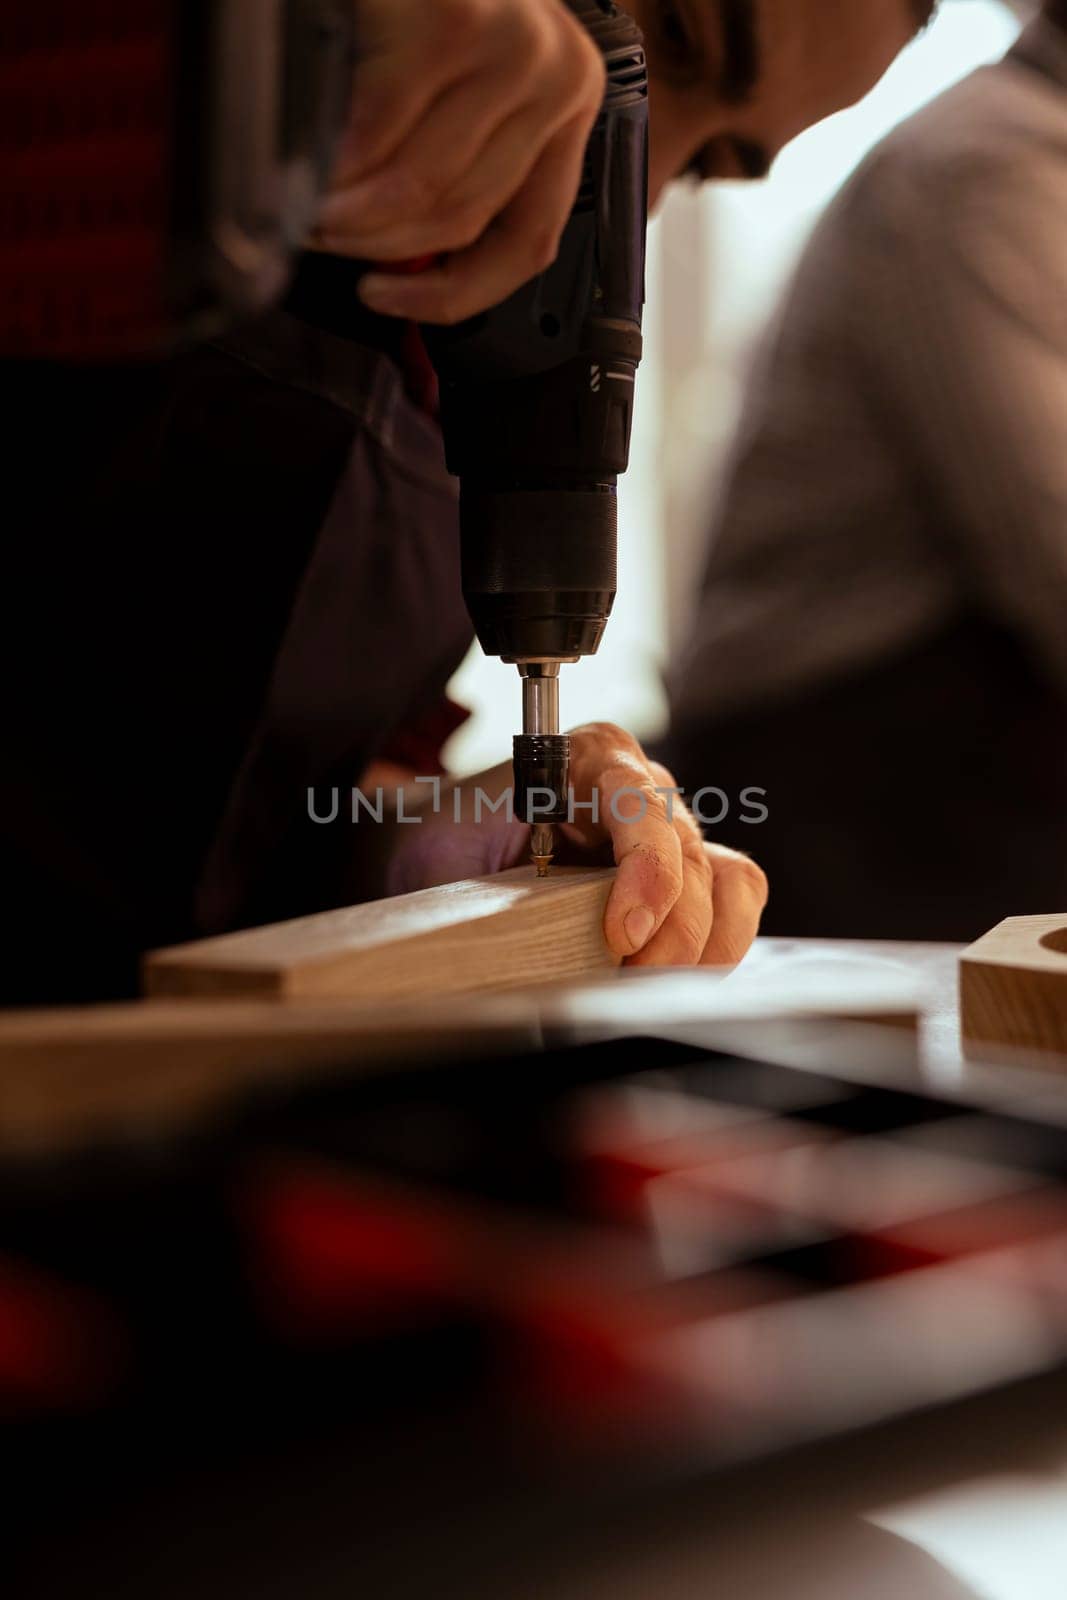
482 934
1013 987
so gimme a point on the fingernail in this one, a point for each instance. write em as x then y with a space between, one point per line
639 924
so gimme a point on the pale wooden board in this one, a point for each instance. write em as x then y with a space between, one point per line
1013 988
482 934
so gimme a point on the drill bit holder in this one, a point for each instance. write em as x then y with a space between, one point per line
542 766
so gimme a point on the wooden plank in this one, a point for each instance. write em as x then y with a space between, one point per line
481 934
73 1074
1013 989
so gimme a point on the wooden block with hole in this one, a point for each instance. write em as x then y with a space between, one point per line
1013 987
482 934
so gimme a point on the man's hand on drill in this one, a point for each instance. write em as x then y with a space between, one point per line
469 124
676 900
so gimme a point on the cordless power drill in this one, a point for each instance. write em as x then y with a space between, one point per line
160 166
537 406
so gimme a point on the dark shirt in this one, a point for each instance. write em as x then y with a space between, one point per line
925 798
231 577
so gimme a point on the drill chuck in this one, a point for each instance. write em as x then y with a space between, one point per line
539 568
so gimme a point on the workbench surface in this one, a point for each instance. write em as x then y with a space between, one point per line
967 1502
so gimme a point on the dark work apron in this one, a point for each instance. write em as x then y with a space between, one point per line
227 579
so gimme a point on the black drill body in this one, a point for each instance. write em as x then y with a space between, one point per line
537 407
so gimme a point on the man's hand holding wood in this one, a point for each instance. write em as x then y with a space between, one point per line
676 901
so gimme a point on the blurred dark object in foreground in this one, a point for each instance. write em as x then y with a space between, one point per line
464 1306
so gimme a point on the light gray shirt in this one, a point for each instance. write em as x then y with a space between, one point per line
902 456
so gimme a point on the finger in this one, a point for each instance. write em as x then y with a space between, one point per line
685 933
647 851
433 155
388 104
503 49
413 209
517 245
401 71
739 895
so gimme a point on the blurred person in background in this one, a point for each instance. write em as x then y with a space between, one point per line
881 639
